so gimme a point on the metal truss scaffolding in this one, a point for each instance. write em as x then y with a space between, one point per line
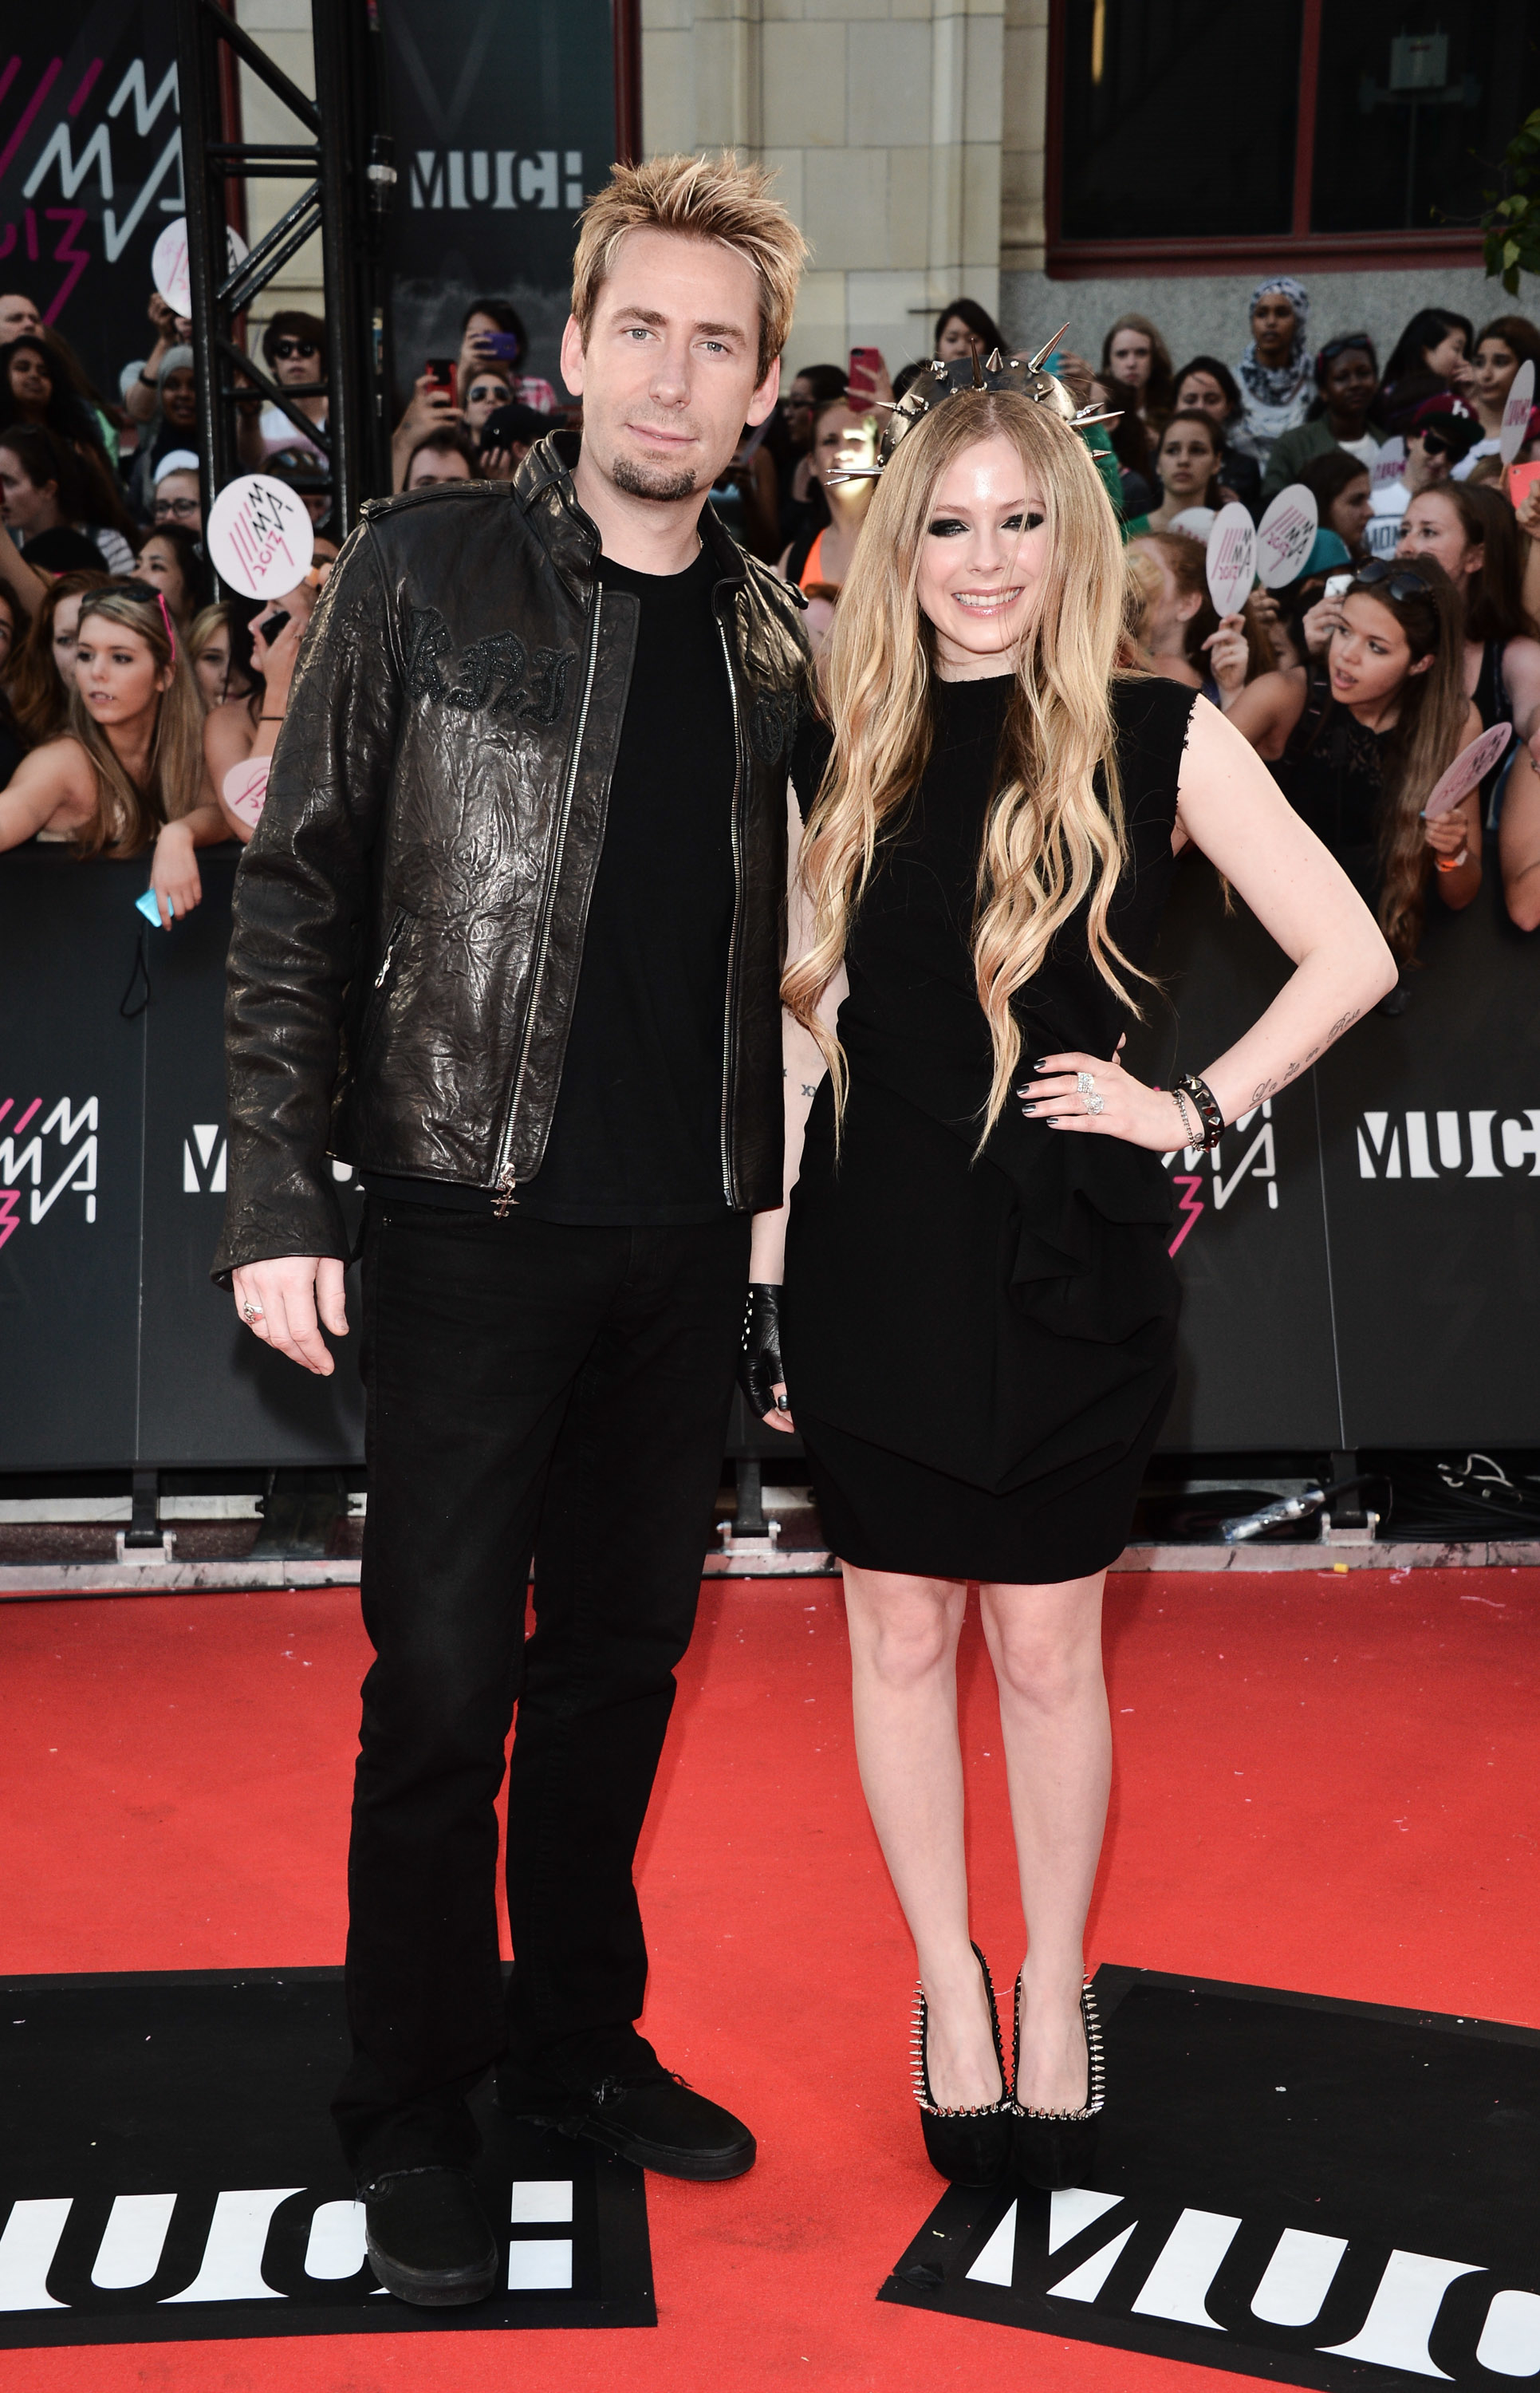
345 202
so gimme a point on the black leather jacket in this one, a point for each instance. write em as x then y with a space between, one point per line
409 915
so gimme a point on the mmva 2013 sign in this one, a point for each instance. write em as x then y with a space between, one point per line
43 1173
90 169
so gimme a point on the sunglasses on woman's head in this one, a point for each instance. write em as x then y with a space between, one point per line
295 350
1399 579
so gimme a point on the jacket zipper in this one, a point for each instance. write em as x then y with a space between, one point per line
505 1182
729 1184
396 927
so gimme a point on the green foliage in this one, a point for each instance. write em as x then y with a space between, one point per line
1512 225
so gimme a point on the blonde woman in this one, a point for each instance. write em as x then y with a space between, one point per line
127 773
979 1311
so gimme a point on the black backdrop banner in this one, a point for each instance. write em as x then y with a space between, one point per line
1361 1256
90 168
502 115
115 1347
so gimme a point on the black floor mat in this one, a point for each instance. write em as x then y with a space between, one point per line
168 2171
1325 2193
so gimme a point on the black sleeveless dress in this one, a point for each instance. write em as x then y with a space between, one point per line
979 1354
1332 771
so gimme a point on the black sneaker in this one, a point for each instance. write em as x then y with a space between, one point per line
650 2116
428 2236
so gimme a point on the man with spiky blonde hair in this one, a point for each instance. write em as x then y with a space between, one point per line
508 938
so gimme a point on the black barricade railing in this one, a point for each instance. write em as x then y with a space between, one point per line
1361 1255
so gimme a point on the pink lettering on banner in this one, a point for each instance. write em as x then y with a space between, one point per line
1191 1204
10 1221
51 73
83 91
77 260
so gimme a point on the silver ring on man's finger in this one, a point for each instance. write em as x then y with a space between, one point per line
1093 1103
252 1313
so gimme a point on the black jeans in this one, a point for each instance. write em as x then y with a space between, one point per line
534 1390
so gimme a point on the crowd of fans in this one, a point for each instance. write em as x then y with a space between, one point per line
135 712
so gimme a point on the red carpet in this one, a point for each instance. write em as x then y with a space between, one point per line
1322 1782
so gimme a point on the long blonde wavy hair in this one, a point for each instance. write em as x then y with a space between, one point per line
1051 842
128 816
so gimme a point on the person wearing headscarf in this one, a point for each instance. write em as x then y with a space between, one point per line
173 426
1276 368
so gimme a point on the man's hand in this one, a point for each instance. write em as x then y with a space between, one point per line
759 1364
279 1301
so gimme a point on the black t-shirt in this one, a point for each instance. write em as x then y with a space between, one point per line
636 1136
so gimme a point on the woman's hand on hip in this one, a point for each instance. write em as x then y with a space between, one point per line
1090 1092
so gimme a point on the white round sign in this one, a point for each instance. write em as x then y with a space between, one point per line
1516 413
1285 536
1231 558
1472 764
168 264
260 537
246 789
1193 523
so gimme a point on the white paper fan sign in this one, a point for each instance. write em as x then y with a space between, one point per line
1193 523
1516 413
1472 764
1231 558
1389 464
168 264
245 787
260 537
1285 536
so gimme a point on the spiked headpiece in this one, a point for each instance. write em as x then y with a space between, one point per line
943 379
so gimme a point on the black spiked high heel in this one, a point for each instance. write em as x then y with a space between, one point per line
1055 2149
970 2147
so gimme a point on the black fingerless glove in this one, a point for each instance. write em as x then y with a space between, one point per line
759 1363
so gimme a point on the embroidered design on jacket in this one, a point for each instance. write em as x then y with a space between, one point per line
530 682
773 724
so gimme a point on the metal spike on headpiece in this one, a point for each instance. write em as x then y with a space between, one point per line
941 379
1034 364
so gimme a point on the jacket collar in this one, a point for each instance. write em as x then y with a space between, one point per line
543 488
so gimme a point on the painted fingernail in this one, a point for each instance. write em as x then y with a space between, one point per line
1050 1122
1041 1064
1029 1109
